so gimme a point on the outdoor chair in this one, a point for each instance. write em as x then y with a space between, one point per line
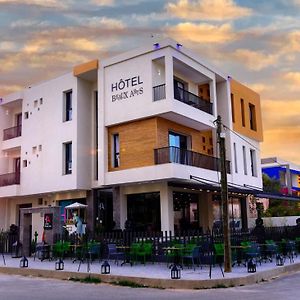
175 255
253 252
93 250
288 249
144 252
113 253
135 249
192 254
270 250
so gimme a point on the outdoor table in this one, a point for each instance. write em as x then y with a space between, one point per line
74 248
176 251
127 259
43 251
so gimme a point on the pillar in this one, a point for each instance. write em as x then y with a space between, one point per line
166 208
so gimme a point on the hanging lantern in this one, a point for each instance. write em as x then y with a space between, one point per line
105 268
59 265
175 272
251 266
24 262
279 260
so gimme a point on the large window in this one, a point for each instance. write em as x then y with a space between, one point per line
68 106
67 158
178 145
115 150
143 212
252 116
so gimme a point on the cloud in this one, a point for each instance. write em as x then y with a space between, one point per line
9 88
202 33
103 2
29 23
255 60
42 3
208 10
259 87
7 46
105 22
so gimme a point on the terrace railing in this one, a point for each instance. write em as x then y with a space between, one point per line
12 132
186 157
10 179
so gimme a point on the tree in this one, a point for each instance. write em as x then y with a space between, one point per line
271 185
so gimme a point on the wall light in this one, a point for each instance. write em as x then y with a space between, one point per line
156 46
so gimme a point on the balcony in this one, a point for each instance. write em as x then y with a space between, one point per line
159 93
192 100
10 179
12 132
186 157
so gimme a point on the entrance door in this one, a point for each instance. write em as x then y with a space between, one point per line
17 166
104 210
178 148
19 124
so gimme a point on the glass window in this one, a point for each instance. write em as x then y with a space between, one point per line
252 116
253 162
245 160
68 106
68 158
116 150
243 112
232 108
235 158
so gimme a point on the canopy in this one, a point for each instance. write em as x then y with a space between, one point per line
76 205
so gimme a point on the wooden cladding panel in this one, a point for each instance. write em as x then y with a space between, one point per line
204 91
249 97
139 139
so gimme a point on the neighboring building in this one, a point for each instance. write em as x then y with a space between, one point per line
287 173
125 136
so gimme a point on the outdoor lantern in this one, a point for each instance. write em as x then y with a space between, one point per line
105 268
59 265
24 262
251 266
279 260
175 272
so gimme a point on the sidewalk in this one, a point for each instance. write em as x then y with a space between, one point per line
154 275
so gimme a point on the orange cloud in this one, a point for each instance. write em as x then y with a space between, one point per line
205 33
103 2
208 10
255 60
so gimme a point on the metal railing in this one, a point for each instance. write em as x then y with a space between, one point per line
177 155
192 100
10 179
159 92
12 132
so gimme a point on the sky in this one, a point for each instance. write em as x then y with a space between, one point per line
255 41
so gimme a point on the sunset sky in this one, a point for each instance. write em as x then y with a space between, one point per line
255 41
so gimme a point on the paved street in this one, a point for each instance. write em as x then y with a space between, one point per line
28 288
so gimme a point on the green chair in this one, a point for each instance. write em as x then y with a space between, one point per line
134 250
144 252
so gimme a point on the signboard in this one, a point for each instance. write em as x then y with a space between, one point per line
48 221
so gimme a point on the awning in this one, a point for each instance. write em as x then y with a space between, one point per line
75 205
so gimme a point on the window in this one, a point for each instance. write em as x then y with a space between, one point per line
25 163
232 108
179 89
26 115
96 133
252 116
35 103
68 158
253 162
67 106
235 158
41 101
245 160
243 112
116 150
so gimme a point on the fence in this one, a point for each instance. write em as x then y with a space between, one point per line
6 241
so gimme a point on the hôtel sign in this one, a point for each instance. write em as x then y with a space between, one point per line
127 88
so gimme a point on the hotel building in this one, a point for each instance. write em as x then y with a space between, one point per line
134 138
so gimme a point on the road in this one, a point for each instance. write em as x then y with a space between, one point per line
29 288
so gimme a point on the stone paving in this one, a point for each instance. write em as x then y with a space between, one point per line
156 270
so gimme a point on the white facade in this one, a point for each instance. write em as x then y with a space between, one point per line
125 86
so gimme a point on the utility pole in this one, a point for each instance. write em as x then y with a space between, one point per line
224 196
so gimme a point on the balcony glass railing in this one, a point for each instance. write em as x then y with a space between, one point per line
12 132
159 92
10 179
192 100
186 157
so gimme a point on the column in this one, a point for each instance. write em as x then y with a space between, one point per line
166 208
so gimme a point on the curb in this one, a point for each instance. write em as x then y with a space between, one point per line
159 283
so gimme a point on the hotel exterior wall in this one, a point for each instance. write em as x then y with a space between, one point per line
250 97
